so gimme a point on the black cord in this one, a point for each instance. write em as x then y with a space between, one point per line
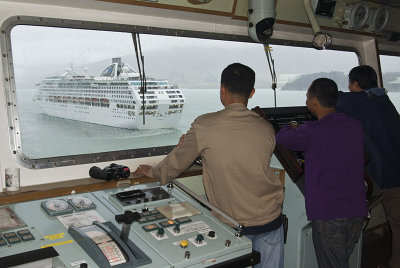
140 63
271 65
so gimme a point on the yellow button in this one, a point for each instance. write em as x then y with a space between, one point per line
184 243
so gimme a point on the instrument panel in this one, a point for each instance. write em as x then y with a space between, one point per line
155 227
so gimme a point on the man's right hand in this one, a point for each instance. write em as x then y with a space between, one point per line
142 170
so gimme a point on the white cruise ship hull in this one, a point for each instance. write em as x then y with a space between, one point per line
112 99
113 117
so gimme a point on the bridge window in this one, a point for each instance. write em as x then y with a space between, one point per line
55 69
390 66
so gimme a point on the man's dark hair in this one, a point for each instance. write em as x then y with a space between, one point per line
325 90
365 76
238 79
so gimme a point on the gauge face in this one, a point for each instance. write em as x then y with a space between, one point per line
56 205
81 202
380 19
359 15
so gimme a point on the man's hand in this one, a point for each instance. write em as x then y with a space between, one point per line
142 170
293 124
181 139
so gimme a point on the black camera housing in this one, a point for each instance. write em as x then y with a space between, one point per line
112 172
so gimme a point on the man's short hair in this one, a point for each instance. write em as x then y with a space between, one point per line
325 90
365 76
238 79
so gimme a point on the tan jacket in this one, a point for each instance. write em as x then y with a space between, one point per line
236 147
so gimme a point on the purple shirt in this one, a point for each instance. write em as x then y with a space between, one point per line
334 165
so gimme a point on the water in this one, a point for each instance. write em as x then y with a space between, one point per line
45 136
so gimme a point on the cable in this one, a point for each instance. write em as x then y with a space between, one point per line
271 65
143 83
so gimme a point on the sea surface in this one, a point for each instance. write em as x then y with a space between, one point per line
44 136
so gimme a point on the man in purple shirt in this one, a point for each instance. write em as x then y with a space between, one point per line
334 174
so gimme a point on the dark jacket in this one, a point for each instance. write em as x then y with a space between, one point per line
381 126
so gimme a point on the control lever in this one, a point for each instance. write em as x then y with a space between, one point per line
126 219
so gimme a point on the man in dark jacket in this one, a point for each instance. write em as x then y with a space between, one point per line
371 106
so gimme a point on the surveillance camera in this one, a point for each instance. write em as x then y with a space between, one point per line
261 19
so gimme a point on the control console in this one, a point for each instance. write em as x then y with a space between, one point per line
136 226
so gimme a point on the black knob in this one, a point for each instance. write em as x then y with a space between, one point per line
160 232
177 228
83 265
128 217
211 234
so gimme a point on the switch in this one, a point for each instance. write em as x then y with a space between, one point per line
211 234
184 243
227 243
187 255
160 232
145 209
199 239
150 227
177 229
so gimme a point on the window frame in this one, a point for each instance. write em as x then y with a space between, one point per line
68 160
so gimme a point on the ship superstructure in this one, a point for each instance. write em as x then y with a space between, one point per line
112 99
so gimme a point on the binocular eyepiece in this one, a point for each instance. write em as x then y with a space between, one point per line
112 172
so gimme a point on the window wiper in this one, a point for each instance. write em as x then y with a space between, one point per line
140 63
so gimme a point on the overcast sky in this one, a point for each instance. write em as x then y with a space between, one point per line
34 46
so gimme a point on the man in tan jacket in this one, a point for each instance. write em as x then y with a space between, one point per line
235 145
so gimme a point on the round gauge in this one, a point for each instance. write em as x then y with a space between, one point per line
81 202
56 205
356 15
359 15
379 19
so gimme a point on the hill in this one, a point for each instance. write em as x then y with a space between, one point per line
341 79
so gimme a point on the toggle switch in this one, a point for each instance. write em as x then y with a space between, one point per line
187 255
199 239
177 228
160 232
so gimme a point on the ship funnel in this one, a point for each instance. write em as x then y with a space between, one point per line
116 60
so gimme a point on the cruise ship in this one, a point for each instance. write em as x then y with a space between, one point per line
112 99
